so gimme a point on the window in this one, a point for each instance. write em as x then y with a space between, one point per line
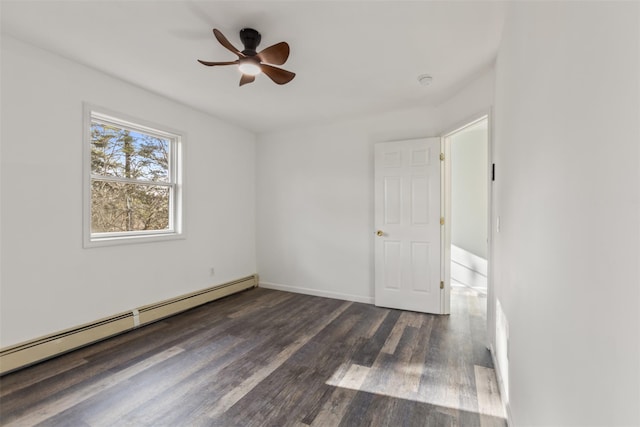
132 186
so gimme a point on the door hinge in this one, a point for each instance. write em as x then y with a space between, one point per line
441 156
441 284
441 220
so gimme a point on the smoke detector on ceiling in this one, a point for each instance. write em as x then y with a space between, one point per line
425 79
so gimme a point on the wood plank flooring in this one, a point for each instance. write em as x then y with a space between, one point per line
271 358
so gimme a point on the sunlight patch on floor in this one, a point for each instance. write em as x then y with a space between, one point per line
402 381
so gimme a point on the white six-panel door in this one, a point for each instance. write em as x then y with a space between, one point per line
407 221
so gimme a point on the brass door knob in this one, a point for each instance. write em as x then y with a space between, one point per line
380 233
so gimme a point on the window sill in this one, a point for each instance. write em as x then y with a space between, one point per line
96 242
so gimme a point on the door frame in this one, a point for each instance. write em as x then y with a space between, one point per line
446 206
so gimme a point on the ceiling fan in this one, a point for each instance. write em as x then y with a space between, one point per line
251 63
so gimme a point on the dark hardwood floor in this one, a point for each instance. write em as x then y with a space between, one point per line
270 358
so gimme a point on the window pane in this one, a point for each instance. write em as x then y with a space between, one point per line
121 207
128 154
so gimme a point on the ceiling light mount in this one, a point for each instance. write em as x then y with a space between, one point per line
425 79
250 39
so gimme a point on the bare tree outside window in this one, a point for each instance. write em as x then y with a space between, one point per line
132 179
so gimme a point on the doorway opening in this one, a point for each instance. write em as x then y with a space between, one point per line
467 187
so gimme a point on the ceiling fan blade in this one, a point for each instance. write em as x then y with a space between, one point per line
226 43
278 75
246 79
211 64
276 54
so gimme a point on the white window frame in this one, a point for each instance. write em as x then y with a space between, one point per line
176 155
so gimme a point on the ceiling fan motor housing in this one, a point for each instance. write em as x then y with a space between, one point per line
250 39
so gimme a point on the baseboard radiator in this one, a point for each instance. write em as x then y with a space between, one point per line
30 352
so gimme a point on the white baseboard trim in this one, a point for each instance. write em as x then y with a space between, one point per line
316 292
506 405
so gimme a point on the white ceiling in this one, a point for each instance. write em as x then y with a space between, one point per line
351 57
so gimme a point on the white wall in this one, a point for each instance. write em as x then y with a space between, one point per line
49 282
469 190
566 259
315 195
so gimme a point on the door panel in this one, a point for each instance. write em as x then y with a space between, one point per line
393 264
420 280
392 199
407 213
419 200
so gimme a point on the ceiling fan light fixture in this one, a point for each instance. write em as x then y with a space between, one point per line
251 63
249 66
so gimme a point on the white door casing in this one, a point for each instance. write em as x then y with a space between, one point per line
407 220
